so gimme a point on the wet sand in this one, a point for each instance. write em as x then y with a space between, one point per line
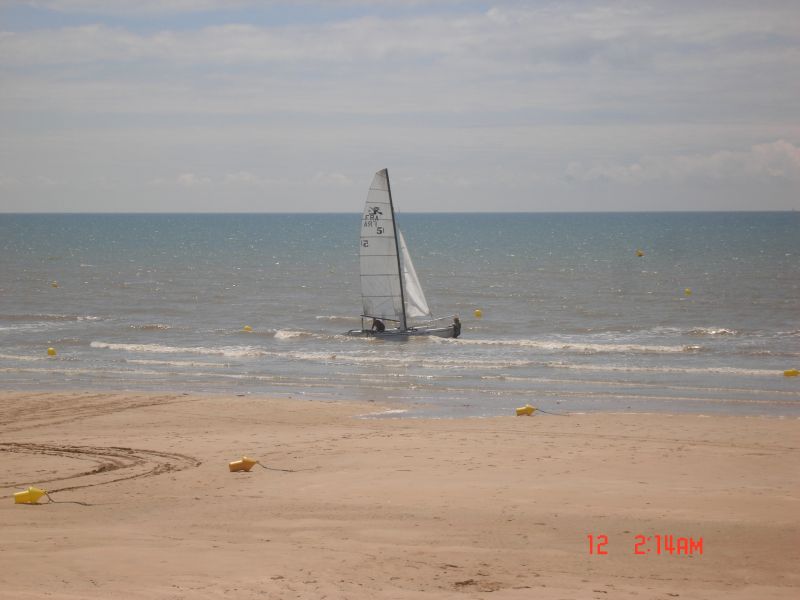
389 508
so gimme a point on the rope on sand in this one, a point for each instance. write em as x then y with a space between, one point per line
284 470
49 499
552 413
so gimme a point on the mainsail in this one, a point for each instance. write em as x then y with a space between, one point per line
381 287
384 256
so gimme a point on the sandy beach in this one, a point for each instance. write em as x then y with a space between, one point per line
145 506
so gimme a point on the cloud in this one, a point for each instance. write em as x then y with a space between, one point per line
513 37
325 179
514 62
156 7
500 101
774 160
245 178
127 8
237 179
365 39
248 179
8 181
184 180
545 64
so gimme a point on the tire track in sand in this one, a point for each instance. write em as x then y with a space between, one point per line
108 464
25 411
103 464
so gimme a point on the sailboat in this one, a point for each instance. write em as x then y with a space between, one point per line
393 300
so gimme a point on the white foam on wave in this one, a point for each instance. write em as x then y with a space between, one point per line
712 331
176 363
27 327
18 357
407 361
532 380
337 318
287 334
39 317
151 326
706 370
81 371
383 413
583 347
232 351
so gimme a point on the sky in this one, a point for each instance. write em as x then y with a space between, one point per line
277 106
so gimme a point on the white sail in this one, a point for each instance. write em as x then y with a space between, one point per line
381 289
390 288
416 304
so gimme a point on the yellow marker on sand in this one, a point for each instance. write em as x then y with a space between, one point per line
29 496
245 464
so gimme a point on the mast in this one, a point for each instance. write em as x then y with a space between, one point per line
403 323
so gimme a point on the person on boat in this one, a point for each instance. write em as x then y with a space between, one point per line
456 327
377 325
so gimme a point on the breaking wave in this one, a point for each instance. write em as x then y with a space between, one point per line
582 347
231 351
286 334
44 317
337 318
711 331
705 370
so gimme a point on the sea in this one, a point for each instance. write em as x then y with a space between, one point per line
616 312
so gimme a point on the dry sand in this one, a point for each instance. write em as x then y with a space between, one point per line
388 508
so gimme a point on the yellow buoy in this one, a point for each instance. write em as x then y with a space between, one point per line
54 284
245 464
687 291
639 253
525 410
791 373
51 352
247 328
478 313
29 496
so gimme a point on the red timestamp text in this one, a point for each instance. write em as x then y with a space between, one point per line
658 544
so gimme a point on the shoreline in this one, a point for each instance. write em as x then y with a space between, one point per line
426 409
389 507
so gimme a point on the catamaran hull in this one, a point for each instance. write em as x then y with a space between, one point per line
396 334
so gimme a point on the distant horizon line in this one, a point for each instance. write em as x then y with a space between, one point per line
476 212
